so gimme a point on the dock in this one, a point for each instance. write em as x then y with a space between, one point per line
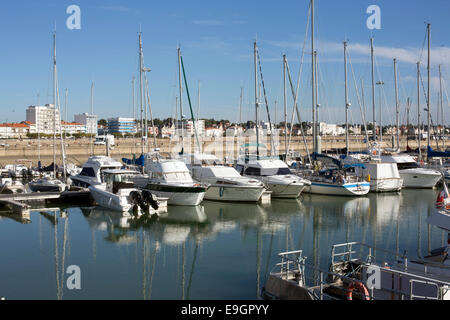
22 202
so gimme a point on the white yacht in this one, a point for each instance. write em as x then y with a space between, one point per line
170 178
382 176
91 172
413 175
119 194
276 176
225 183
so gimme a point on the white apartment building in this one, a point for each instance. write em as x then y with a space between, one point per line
44 118
199 125
73 127
89 120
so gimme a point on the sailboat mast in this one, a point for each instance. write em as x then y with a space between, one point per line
54 104
396 104
442 108
312 78
407 120
418 109
92 114
141 93
346 99
180 87
134 104
240 105
256 101
428 80
373 92
285 107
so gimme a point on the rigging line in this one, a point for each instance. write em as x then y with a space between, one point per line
299 76
150 109
363 116
267 105
298 114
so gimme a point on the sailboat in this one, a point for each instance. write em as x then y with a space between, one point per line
48 183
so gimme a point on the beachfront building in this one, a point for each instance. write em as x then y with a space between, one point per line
14 130
45 118
73 127
121 125
88 120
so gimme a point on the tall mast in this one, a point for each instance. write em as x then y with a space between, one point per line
316 92
407 120
256 101
418 109
373 93
396 104
240 105
54 104
346 99
134 104
312 78
428 80
180 86
442 108
198 105
285 107
141 93
92 115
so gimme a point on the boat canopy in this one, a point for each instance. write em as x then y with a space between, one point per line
431 153
138 162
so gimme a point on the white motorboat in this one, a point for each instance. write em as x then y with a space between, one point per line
276 176
413 175
225 183
92 171
47 184
170 178
383 176
119 194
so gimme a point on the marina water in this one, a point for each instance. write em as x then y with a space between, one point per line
212 251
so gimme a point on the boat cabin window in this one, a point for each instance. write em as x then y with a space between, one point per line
177 176
89 172
407 165
240 169
250 171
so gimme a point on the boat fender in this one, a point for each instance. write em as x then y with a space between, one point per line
358 286
368 177
221 189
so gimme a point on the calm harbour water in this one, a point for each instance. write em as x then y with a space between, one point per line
213 251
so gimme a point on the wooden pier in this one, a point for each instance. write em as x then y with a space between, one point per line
21 202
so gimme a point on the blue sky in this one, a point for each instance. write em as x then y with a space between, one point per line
216 40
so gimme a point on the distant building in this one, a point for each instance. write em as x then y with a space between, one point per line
199 125
168 131
121 125
73 127
89 120
14 130
46 118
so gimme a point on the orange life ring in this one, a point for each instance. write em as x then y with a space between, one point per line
360 287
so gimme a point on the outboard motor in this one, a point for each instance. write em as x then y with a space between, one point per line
150 199
137 199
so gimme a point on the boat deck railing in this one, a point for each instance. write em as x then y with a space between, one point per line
323 284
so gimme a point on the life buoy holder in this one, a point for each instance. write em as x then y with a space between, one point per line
358 286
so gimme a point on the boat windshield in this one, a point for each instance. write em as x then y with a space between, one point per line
251 171
407 165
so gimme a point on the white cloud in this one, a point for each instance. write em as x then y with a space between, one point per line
208 22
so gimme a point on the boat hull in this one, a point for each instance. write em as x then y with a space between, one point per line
386 185
414 179
234 193
348 189
178 195
110 200
290 191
